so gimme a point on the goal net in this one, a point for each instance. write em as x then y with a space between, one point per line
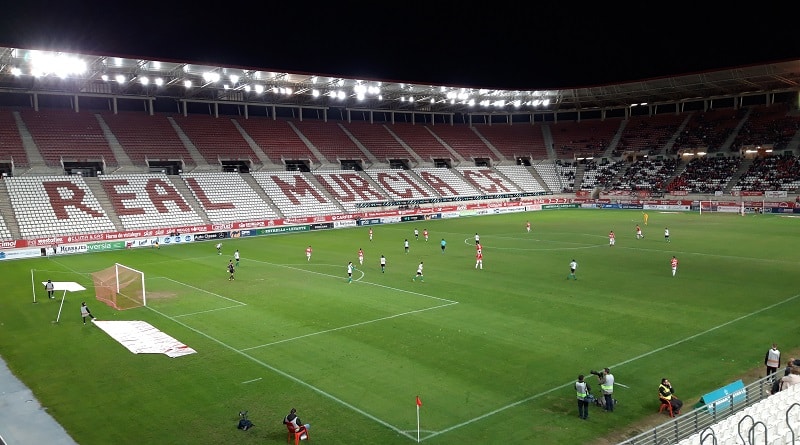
120 287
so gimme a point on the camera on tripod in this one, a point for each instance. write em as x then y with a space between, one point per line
597 373
244 423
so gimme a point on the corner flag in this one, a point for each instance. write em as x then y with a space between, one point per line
419 403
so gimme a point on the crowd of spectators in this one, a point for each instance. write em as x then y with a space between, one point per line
647 175
781 172
706 174
708 130
767 126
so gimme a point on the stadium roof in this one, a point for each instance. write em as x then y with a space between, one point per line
45 72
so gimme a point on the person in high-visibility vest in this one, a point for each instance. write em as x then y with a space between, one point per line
582 391
772 360
606 379
665 392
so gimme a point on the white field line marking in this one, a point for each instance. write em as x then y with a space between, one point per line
640 356
362 323
210 310
251 381
368 283
288 376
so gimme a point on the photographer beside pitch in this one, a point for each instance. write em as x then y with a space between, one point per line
606 379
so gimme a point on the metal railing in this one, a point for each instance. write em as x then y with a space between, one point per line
697 420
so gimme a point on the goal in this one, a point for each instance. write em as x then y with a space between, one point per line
120 287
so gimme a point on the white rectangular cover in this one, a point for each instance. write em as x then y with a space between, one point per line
141 337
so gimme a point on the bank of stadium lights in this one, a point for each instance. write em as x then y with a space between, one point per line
211 77
144 80
61 65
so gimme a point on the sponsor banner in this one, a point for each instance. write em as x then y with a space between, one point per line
718 193
416 202
728 209
20 253
283 229
368 221
450 215
68 249
253 224
390 220
346 223
208 236
533 207
679 192
775 194
321 226
412 218
180 239
589 205
433 216
466 213
632 206
106 245
242 233
643 193
583 194
561 206
747 193
508 210
610 206
12 244
668 207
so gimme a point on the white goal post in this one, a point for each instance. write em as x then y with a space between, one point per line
120 287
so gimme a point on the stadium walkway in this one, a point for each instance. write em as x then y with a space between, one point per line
23 421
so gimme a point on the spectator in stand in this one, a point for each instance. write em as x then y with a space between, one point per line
792 379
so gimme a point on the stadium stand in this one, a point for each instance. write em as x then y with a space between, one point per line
65 135
647 175
217 139
488 181
421 141
515 141
227 197
445 182
377 139
649 134
550 172
329 139
708 130
588 137
47 206
522 177
463 140
277 139
147 201
147 138
399 184
781 172
295 194
767 126
349 187
706 174
11 148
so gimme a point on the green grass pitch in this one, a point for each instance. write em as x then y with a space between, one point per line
491 353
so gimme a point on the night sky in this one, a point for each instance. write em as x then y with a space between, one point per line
527 46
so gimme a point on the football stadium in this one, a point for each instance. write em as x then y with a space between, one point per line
399 263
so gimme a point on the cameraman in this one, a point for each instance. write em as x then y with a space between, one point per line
606 379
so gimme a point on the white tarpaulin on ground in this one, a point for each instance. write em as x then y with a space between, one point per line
141 337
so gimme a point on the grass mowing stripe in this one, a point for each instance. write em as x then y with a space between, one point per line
640 356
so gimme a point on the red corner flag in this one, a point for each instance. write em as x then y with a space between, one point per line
419 402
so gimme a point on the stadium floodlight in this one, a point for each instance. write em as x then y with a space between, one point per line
211 77
144 80
120 78
340 95
247 88
159 81
187 84
234 79
315 93
546 102
104 77
16 71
